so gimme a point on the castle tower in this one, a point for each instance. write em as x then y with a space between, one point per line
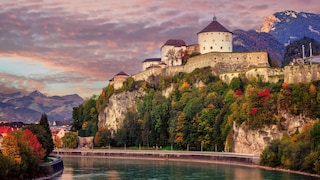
215 38
118 79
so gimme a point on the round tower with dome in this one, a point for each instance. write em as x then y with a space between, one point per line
215 38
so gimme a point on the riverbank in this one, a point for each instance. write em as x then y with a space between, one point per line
201 156
248 160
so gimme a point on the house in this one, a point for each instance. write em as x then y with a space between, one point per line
4 130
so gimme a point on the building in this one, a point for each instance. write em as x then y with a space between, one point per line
214 38
150 62
4 130
118 79
172 52
214 49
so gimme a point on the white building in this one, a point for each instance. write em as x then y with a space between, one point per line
215 38
171 52
150 62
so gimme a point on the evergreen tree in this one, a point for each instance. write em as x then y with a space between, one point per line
48 144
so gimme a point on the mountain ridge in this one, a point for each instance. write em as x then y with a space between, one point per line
278 31
28 108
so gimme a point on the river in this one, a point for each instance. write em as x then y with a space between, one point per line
91 168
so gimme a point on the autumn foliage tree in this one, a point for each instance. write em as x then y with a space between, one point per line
23 148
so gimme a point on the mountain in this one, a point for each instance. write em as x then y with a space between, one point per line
288 26
244 41
294 50
28 108
276 32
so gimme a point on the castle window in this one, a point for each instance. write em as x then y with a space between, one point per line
211 47
227 38
221 47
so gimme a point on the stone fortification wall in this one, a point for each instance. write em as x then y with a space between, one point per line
220 62
227 77
271 75
228 62
172 70
301 73
143 75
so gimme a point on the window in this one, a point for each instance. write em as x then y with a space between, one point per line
204 48
211 47
227 38
221 47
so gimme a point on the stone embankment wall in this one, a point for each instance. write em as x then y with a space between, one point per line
301 73
213 157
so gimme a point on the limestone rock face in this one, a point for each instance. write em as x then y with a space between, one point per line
254 141
114 113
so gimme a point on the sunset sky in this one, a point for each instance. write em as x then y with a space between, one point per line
64 47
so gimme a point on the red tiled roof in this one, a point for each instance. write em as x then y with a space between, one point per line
5 129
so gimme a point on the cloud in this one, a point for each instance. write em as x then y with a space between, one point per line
86 42
10 83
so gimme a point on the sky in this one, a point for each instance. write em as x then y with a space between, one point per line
74 47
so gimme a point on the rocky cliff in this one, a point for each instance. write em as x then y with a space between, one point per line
114 113
254 141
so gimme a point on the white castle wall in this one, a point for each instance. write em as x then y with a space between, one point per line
215 42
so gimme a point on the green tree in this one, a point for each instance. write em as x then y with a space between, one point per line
42 136
315 135
46 141
70 140
102 138
7 166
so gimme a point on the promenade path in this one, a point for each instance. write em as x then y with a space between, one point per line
203 156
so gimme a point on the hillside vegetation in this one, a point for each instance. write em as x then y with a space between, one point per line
199 112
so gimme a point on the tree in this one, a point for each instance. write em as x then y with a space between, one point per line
102 138
315 134
23 147
46 141
57 142
70 140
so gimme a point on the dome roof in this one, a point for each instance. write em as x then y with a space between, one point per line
214 26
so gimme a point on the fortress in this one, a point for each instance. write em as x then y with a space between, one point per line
214 49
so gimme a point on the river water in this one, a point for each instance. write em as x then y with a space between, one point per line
87 168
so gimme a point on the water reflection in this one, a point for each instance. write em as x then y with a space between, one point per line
107 168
